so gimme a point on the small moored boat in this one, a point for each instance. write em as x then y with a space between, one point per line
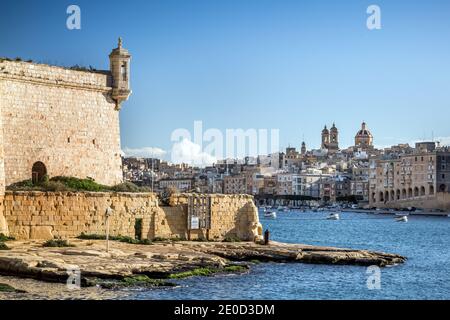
401 219
402 214
270 214
333 216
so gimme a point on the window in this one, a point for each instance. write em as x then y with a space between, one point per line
123 71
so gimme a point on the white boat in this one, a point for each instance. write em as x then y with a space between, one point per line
402 219
402 214
270 214
333 216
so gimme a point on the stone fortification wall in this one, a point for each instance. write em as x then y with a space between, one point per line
63 118
45 215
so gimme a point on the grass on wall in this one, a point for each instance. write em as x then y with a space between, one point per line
60 184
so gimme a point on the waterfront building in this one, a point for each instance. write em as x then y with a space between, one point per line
359 184
420 179
307 182
284 184
270 185
180 184
254 180
234 184
292 160
343 188
397 150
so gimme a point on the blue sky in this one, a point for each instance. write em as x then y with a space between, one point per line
291 65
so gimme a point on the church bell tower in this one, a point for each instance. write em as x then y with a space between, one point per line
325 138
120 71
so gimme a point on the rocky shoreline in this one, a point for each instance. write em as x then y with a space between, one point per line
159 263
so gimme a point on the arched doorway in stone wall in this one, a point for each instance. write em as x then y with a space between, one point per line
38 172
422 190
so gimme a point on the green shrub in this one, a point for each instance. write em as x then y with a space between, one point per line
206 272
22 186
84 236
76 184
235 268
57 243
159 239
61 184
54 186
4 238
129 187
232 239
131 281
6 288
124 239
3 246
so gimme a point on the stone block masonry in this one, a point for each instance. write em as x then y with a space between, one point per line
59 121
45 215
65 119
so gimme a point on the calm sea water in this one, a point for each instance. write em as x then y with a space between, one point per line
424 240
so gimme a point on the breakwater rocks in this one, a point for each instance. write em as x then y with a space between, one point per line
158 263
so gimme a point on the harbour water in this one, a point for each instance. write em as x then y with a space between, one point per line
423 240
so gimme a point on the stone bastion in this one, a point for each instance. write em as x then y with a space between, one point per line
47 215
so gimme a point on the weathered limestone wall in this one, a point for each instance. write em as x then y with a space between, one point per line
3 224
231 216
63 118
439 201
42 215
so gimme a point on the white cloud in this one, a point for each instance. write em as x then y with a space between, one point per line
190 153
145 152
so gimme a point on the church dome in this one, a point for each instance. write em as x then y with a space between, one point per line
364 132
325 130
364 137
